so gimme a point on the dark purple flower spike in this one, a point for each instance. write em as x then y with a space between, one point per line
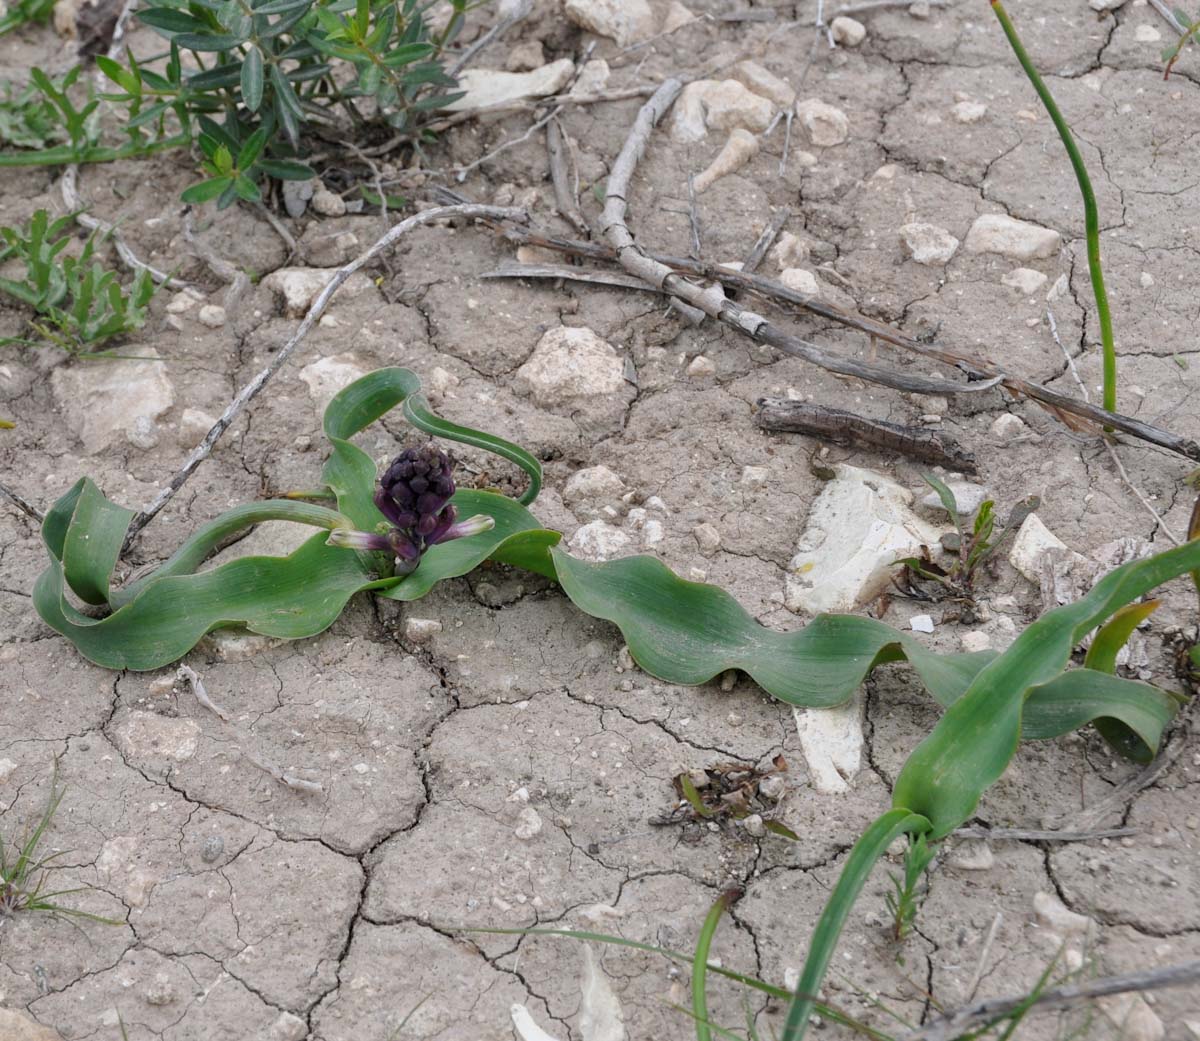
414 495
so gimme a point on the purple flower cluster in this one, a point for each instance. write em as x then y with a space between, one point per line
414 495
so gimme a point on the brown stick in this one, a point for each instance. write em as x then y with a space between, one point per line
956 1024
854 431
564 197
21 503
972 367
251 389
770 232
712 301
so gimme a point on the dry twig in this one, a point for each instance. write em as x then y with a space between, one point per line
778 219
251 389
1056 998
974 368
564 197
22 504
712 301
852 430
69 186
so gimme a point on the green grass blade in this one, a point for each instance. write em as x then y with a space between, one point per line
867 850
1115 633
700 962
1090 213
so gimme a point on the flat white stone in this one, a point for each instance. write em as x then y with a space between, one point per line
826 125
573 368
967 496
486 87
968 111
1025 280
801 281
111 400
624 21
326 376
599 540
1021 240
859 525
927 243
764 83
1033 541
592 486
849 32
831 741
298 287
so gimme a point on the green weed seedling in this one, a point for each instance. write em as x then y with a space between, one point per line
24 871
28 118
969 546
909 892
21 12
78 304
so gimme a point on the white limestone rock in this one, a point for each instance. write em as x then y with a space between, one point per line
705 105
1024 280
764 83
1031 545
326 376
831 741
1017 239
592 488
599 540
800 281
968 112
825 125
623 21
928 244
113 400
967 496
849 32
859 525
574 372
740 148
297 287
486 87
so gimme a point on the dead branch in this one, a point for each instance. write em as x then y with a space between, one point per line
22 504
712 301
1028 835
778 219
251 389
974 368
854 431
1056 998
564 198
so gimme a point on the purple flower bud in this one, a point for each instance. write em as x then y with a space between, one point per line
414 495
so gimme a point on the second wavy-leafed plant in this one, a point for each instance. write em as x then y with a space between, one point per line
400 537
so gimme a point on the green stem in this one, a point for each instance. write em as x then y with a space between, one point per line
867 850
65 155
1091 217
700 963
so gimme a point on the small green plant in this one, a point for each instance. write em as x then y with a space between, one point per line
79 305
28 118
20 12
909 892
24 870
969 547
271 78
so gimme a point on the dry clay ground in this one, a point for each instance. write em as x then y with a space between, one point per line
500 767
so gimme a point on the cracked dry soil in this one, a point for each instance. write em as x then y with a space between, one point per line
250 910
